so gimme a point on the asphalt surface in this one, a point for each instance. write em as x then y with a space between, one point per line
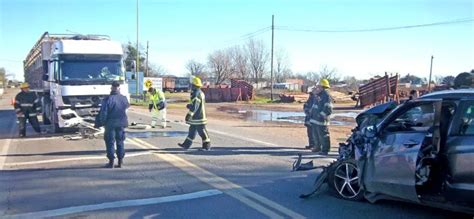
245 175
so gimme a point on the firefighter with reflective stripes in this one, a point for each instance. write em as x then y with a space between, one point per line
157 107
320 112
196 117
27 107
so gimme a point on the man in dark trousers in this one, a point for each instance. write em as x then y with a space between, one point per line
113 117
320 112
27 107
307 111
196 117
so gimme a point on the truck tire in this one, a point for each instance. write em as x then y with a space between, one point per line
343 180
46 121
54 123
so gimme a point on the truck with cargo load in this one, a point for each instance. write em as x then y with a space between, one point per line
175 84
72 74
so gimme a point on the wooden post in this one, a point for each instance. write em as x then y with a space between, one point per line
387 83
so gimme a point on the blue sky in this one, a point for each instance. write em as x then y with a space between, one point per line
182 30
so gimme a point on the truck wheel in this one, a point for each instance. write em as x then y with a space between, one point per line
343 179
46 120
55 125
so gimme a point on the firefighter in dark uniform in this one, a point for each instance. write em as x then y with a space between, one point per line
307 111
320 112
113 117
196 117
27 107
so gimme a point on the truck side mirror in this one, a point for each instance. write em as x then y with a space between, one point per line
45 77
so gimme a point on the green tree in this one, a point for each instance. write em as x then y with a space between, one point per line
131 55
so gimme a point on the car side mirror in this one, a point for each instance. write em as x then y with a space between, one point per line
370 131
45 77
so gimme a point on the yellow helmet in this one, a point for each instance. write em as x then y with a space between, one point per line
324 83
197 82
24 85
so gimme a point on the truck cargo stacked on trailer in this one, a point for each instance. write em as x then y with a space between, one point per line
72 74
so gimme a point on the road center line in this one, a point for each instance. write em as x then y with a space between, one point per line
228 187
116 204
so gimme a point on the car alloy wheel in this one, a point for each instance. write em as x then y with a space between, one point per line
346 180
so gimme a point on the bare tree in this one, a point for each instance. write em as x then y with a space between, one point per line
329 73
239 63
156 70
194 67
258 58
220 66
282 70
313 77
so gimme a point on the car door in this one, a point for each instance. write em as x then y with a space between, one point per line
391 164
459 153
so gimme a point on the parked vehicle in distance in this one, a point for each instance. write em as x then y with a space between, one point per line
420 152
176 84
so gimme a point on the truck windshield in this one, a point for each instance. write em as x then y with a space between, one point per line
77 68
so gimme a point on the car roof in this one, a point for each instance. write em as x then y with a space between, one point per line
452 94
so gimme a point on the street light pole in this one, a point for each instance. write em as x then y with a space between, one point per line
271 62
431 71
138 60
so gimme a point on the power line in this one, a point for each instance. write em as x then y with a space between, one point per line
466 20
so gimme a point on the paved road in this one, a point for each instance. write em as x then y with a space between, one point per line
246 175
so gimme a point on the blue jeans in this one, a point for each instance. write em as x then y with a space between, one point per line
112 136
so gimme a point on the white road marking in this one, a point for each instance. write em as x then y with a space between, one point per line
249 198
72 158
38 138
221 133
116 204
6 146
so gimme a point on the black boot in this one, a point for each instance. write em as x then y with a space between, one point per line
120 162
110 164
206 146
186 144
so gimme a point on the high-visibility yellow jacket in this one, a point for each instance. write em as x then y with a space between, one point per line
157 100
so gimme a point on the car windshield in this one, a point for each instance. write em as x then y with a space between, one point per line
90 69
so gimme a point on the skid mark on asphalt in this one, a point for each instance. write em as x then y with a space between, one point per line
72 158
116 204
249 198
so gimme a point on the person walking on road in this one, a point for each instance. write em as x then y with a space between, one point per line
113 117
27 107
157 107
320 112
196 117
307 111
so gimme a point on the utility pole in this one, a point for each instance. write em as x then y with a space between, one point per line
146 65
431 71
271 62
138 60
